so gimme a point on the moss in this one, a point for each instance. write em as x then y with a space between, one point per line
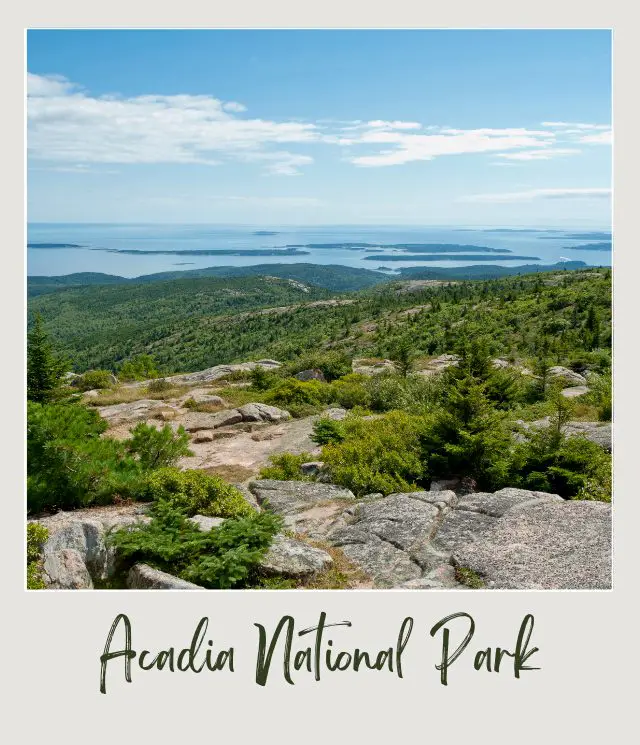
468 577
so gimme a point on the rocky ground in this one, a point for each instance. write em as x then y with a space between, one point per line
512 539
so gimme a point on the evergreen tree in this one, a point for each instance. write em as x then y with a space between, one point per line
402 354
44 368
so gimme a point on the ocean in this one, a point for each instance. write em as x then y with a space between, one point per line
549 246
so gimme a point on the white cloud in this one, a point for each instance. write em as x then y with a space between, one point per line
543 154
529 196
66 125
602 138
412 147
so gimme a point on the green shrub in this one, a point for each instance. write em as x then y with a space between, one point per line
350 391
142 367
467 436
195 493
94 379
600 395
159 386
390 391
286 467
262 379
69 465
299 397
327 431
378 455
36 538
333 365
568 466
158 448
221 558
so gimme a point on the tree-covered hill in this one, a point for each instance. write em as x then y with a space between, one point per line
191 324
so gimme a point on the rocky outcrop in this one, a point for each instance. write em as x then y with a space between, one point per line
221 371
144 577
76 552
512 538
438 364
363 367
566 376
314 374
307 507
598 432
549 545
294 559
195 421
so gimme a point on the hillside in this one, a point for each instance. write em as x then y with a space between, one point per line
190 324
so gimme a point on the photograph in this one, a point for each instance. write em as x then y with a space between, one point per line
318 309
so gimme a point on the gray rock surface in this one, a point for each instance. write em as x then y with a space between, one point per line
314 374
390 538
206 523
566 375
549 545
64 569
220 371
144 577
307 507
294 559
496 504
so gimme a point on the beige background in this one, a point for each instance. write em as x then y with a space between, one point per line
50 668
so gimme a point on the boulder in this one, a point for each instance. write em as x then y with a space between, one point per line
498 503
548 545
64 569
194 421
258 412
294 559
220 371
144 577
373 368
390 538
575 391
86 538
312 468
336 414
132 411
308 507
568 376
314 374
203 435
598 432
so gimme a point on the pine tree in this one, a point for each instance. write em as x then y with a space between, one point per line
44 368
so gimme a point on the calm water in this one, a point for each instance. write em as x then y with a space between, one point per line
550 249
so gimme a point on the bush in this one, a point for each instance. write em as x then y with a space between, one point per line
262 379
69 465
350 391
377 455
142 367
333 365
327 431
195 493
94 379
568 466
159 386
600 396
36 538
299 397
221 558
286 467
391 391
467 436
158 448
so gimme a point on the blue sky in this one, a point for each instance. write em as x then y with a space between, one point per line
320 127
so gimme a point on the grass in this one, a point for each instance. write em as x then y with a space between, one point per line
232 473
129 394
468 577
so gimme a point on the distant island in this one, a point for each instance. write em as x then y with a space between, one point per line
183 263
595 236
54 245
417 247
209 252
604 246
447 257
266 232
